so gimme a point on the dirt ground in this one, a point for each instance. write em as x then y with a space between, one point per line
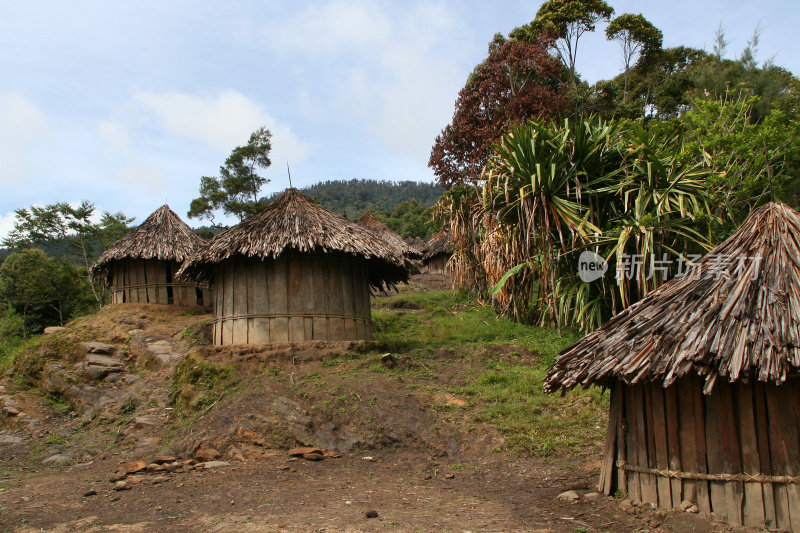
403 464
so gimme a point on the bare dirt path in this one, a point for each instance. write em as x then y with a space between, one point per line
409 460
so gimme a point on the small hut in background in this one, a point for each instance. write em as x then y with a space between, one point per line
705 393
294 272
385 232
437 253
141 266
416 244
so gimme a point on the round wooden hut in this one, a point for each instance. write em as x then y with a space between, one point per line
141 267
294 272
369 221
437 253
705 393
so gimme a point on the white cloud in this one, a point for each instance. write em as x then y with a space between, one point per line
336 27
114 135
22 126
395 68
221 122
137 174
6 224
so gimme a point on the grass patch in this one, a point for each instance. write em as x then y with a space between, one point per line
10 347
451 319
198 383
505 395
511 397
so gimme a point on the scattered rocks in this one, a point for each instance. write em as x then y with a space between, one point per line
90 492
685 504
98 348
450 476
591 496
299 452
97 367
208 465
122 485
569 496
7 438
159 479
313 456
203 454
133 467
146 422
9 406
628 507
155 353
161 459
57 459
371 514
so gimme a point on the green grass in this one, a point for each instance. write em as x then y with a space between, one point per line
447 319
511 397
505 395
10 347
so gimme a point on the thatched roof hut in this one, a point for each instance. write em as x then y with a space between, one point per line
704 377
369 221
141 266
292 272
438 250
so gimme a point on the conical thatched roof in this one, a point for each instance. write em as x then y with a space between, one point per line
163 236
293 222
437 245
385 232
737 316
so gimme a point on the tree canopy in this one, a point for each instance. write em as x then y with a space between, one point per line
236 189
518 80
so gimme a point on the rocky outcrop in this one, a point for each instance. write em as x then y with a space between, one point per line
155 353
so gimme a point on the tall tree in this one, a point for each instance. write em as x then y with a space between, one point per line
638 39
518 80
236 189
42 291
68 230
568 20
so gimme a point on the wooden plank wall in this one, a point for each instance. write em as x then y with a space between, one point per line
139 281
298 297
436 264
738 429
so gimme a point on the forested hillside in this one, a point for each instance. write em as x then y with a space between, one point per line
352 197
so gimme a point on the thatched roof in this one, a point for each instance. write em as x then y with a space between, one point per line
292 222
163 236
439 244
385 232
736 317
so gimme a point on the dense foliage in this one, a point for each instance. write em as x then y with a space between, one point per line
517 80
236 189
351 198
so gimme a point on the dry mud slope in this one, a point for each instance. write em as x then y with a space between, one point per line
129 421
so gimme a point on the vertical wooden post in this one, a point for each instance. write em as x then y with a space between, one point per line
673 441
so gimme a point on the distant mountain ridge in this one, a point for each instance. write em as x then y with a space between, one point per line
351 198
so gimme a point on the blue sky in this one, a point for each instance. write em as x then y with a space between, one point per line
128 104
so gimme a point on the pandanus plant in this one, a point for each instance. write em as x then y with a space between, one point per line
620 190
535 184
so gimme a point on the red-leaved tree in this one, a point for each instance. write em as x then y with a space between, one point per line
517 81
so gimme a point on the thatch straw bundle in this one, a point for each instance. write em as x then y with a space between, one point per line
439 244
735 316
385 232
162 236
293 222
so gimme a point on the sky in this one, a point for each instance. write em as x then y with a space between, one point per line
128 104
